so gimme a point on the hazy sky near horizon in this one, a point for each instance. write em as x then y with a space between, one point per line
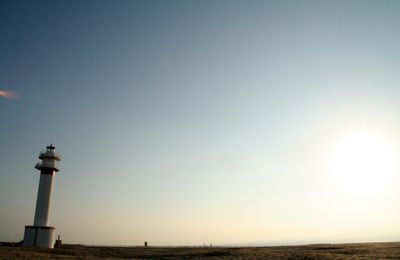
191 122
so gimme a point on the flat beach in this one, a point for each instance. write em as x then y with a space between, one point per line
320 251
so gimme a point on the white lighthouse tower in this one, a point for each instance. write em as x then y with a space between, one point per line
40 234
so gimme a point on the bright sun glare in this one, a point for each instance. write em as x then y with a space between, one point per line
362 164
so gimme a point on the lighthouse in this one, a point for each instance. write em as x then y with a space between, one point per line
41 234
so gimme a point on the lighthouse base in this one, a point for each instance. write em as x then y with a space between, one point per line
39 236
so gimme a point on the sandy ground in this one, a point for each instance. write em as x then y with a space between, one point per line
325 251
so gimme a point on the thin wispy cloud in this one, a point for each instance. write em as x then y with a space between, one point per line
9 94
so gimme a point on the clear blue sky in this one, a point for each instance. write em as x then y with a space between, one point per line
191 122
